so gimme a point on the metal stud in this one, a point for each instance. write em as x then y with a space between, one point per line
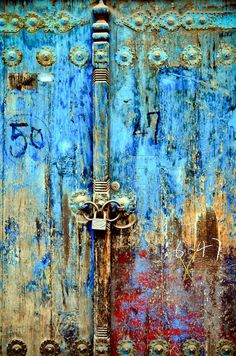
226 348
191 347
16 347
12 56
46 57
226 54
202 20
139 21
50 347
15 21
157 57
79 56
125 347
33 22
65 21
81 348
2 22
191 56
115 186
189 20
158 347
124 56
171 21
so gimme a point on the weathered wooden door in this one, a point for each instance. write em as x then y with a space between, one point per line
117 169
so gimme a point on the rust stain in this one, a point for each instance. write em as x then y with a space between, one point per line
66 216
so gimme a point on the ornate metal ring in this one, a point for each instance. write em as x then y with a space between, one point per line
89 203
109 202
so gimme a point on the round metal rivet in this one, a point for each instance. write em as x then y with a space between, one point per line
226 347
192 348
2 22
65 20
202 20
139 21
15 21
158 347
81 347
189 20
156 55
46 57
79 56
33 21
171 21
50 347
16 347
124 57
115 186
12 56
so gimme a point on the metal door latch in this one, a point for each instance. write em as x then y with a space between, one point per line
102 211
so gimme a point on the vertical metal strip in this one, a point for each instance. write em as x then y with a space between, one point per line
101 187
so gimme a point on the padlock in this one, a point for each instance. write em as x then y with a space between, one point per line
99 223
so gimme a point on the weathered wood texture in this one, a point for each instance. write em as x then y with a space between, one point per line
172 136
172 127
47 268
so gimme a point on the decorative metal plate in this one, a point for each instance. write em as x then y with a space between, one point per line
17 347
79 56
150 19
19 81
81 348
124 56
125 347
33 22
10 22
191 56
191 347
158 347
50 347
12 56
61 21
226 54
157 57
46 57
226 347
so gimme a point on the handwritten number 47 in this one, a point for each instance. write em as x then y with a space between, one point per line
21 138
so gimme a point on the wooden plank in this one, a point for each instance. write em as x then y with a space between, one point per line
47 288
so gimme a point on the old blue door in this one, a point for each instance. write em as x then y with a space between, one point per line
117 177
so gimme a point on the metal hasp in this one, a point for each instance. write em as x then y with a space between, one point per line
102 210
101 187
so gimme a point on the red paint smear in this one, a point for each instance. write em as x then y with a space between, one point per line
143 254
139 309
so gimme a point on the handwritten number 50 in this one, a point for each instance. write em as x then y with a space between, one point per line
20 138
